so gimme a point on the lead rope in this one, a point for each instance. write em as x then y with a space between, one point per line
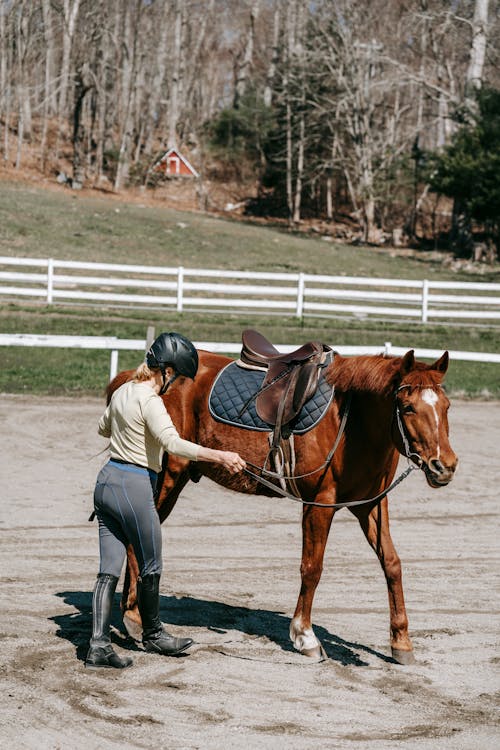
333 506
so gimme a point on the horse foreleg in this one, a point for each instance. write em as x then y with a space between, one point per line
316 524
375 526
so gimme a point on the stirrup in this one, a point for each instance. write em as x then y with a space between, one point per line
105 657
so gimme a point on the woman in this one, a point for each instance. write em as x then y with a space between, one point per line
140 430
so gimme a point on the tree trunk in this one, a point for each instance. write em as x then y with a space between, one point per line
461 238
477 53
158 81
83 84
192 72
268 90
300 169
4 88
70 14
289 161
369 226
20 128
329 198
104 85
244 68
130 38
461 231
173 105
49 95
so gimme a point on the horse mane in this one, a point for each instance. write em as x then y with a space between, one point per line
117 381
378 374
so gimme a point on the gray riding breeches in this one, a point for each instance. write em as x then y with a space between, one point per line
124 506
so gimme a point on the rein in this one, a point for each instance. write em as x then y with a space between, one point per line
332 506
353 503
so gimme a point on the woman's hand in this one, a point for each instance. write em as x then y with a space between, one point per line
231 461
228 459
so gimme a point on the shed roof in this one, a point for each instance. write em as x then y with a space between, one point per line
174 152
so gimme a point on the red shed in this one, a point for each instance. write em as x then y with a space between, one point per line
174 164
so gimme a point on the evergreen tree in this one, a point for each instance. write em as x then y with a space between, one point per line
468 170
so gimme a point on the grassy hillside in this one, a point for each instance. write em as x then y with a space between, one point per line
58 223
64 225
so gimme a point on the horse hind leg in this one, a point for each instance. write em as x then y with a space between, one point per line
130 610
375 526
316 524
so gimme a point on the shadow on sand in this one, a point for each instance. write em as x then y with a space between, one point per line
215 616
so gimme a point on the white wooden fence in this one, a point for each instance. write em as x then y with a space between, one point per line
297 294
114 345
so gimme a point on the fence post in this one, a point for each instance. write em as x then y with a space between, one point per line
50 280
180 289
150 336
387 347
300 296
425 300
113 365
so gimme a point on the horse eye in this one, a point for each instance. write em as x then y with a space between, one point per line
408 409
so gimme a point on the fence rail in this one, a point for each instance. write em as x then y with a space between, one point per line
297 294
114 345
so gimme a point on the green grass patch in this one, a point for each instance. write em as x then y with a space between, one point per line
68 225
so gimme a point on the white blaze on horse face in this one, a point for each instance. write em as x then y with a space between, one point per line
430 397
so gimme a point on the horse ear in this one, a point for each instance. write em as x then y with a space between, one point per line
441 364
408 362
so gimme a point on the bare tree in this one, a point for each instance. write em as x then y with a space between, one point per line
243 67
176 80
271 71
23 51
84 83
49 95
474 78
461 229
70 10
130 45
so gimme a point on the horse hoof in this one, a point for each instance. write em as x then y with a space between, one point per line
133 628
318 653
403 657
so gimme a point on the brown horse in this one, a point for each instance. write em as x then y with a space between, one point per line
397 406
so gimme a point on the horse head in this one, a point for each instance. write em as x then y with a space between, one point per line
420 428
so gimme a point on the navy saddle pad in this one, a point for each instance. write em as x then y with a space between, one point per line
235 386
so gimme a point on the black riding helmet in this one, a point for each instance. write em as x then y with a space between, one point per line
176 351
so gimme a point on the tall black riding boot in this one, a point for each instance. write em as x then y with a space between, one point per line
154 637
101 653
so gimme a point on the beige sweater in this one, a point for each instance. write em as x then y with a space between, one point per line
140 428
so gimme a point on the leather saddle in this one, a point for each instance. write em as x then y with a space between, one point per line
291 379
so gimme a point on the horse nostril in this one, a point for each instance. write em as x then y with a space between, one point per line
436 466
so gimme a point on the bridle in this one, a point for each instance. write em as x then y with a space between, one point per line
166 383
408 454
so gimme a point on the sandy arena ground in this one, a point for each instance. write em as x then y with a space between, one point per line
231 582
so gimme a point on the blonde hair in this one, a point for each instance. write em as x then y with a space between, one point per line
142 373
